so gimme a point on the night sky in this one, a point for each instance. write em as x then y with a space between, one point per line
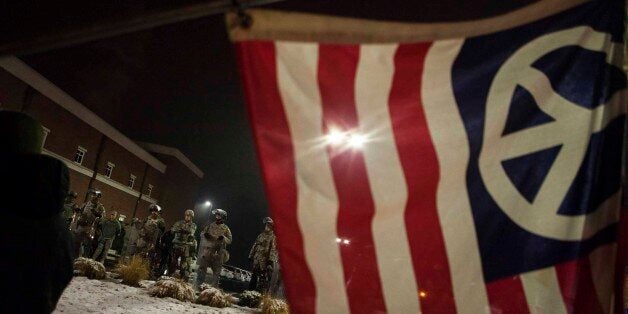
178 85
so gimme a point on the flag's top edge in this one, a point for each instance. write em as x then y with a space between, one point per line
304 27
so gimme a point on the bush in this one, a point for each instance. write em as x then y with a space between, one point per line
90 268
204 286
271 305
172 288
215 298
250 298
134 271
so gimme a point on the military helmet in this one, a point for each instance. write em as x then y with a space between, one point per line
154 208
189 211
72 194
268 220
95 192
220 212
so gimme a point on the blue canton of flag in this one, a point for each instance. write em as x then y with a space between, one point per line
542 105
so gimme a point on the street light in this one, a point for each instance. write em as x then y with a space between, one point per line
208 204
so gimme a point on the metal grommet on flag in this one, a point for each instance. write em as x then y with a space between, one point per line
243 19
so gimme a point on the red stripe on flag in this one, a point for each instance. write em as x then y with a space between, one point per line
276 156
577 287
621 261
420 165
336 76
507 296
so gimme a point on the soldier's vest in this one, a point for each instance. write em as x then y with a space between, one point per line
68 210
265 249
216 230
151 228
216 249
88 214
185 235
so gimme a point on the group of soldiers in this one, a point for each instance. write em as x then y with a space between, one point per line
93 231
174 250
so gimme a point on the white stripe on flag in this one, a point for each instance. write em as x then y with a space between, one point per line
542 291
388 186
452 148
317 199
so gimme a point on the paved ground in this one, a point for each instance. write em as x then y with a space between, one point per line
107 296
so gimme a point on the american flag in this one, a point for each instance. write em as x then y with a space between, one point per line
468 167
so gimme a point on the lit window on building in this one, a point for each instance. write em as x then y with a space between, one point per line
132 181
44 137
80 155
149 190
109 169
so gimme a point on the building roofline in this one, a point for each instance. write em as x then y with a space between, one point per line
171 151
33 78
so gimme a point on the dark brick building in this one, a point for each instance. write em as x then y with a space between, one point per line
131 176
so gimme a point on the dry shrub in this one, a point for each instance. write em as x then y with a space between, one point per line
250 298
215 298
204 286
134 271
90 268
172 288
270 305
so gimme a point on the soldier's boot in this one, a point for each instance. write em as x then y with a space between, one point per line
79 243
77 246
201 274
98 251
105 250
254 279
216 269
185 265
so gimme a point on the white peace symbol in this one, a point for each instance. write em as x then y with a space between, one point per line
572 129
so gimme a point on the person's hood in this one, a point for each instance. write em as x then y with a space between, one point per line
33 186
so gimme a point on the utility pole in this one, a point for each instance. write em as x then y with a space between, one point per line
101 148
123 24
139 198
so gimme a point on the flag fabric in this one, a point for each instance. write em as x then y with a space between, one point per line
467 167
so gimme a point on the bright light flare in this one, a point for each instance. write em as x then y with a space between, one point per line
345 241
348 139
422 294
336 137
357 140
338 240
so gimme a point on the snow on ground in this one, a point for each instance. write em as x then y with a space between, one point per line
107 296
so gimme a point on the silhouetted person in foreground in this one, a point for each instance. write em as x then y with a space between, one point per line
35 242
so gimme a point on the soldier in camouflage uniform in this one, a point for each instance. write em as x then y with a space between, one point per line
110 229
151 230
87 217
213 250
264 257
69 207
183 246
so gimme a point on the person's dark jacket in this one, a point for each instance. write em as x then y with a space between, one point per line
165 242
110 228
36 245
118 242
